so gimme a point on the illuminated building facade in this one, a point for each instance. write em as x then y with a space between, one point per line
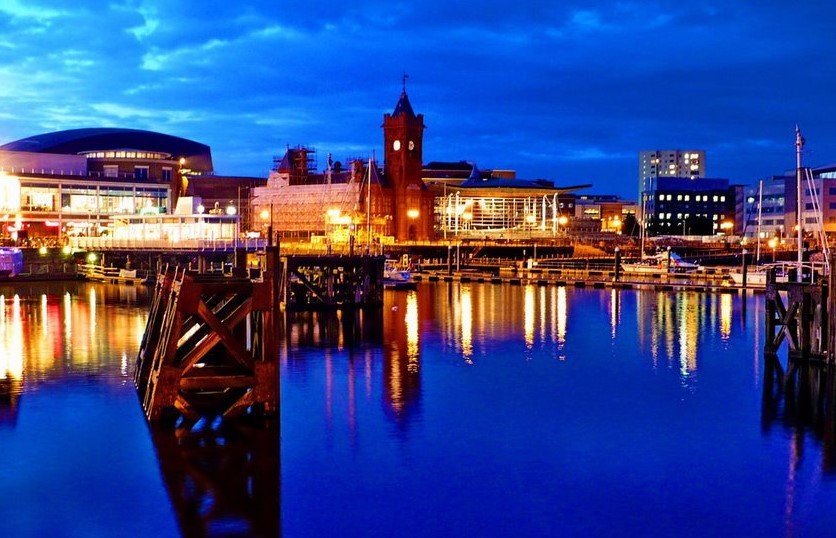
503 208
408 200
609 210
660 163
684 206
362 202
71 183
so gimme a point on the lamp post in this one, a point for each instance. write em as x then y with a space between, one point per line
773 242
562 221
412 214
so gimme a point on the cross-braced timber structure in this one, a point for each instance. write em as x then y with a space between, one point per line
210 346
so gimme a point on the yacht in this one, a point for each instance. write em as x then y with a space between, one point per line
661 263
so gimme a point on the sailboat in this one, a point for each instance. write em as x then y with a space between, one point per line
660 263
756 276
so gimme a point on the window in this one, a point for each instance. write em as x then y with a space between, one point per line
808 206
715 198
167 176
661 196
111 171
687 197
140 173
722 198
661 216
678 197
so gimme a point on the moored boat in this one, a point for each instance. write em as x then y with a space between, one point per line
396 277
664 262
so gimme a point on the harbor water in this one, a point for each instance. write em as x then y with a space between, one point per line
462 409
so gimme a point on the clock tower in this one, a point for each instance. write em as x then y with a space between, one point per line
412 207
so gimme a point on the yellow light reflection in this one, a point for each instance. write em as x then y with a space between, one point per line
92 312
467 325
411 320
528 316
725 316
11 341
562 314
395 389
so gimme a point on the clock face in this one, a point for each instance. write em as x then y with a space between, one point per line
396 145
411 145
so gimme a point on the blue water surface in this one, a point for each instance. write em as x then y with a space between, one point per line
499 410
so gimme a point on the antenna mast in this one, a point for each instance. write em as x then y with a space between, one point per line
799 145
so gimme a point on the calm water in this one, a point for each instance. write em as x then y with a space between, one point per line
463 410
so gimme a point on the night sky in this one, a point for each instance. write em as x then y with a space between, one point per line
568 91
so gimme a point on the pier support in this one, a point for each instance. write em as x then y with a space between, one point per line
331 282
801 321
210 346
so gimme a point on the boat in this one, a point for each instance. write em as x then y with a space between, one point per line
11 262
661 263
395 277
111 275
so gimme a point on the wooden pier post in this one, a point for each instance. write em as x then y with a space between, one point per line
210 346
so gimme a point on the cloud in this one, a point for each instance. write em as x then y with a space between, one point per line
150 23
29 12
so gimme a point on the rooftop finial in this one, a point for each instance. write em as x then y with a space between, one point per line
405 76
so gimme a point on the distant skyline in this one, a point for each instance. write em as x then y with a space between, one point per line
567 91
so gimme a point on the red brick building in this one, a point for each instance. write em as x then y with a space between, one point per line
403 139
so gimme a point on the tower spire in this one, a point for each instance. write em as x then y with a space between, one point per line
405 76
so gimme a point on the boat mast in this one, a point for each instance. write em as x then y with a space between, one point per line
642 231
760 205
369 210
799 145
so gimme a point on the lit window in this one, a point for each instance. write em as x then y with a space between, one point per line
668 216
714 217
715 197
687 197
678 197
722 198
661 197
661 216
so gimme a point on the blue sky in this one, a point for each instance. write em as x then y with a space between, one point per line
569 91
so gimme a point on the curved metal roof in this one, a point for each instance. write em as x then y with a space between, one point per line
75 141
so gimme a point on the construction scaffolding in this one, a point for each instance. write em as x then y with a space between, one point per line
351 204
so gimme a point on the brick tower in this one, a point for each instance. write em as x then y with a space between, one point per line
403 135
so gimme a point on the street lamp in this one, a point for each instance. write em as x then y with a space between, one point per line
773 242
562 221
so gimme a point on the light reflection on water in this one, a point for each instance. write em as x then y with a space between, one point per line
552 409
542 405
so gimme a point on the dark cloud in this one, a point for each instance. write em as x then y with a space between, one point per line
570 91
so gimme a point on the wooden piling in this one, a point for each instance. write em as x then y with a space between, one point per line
210 346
